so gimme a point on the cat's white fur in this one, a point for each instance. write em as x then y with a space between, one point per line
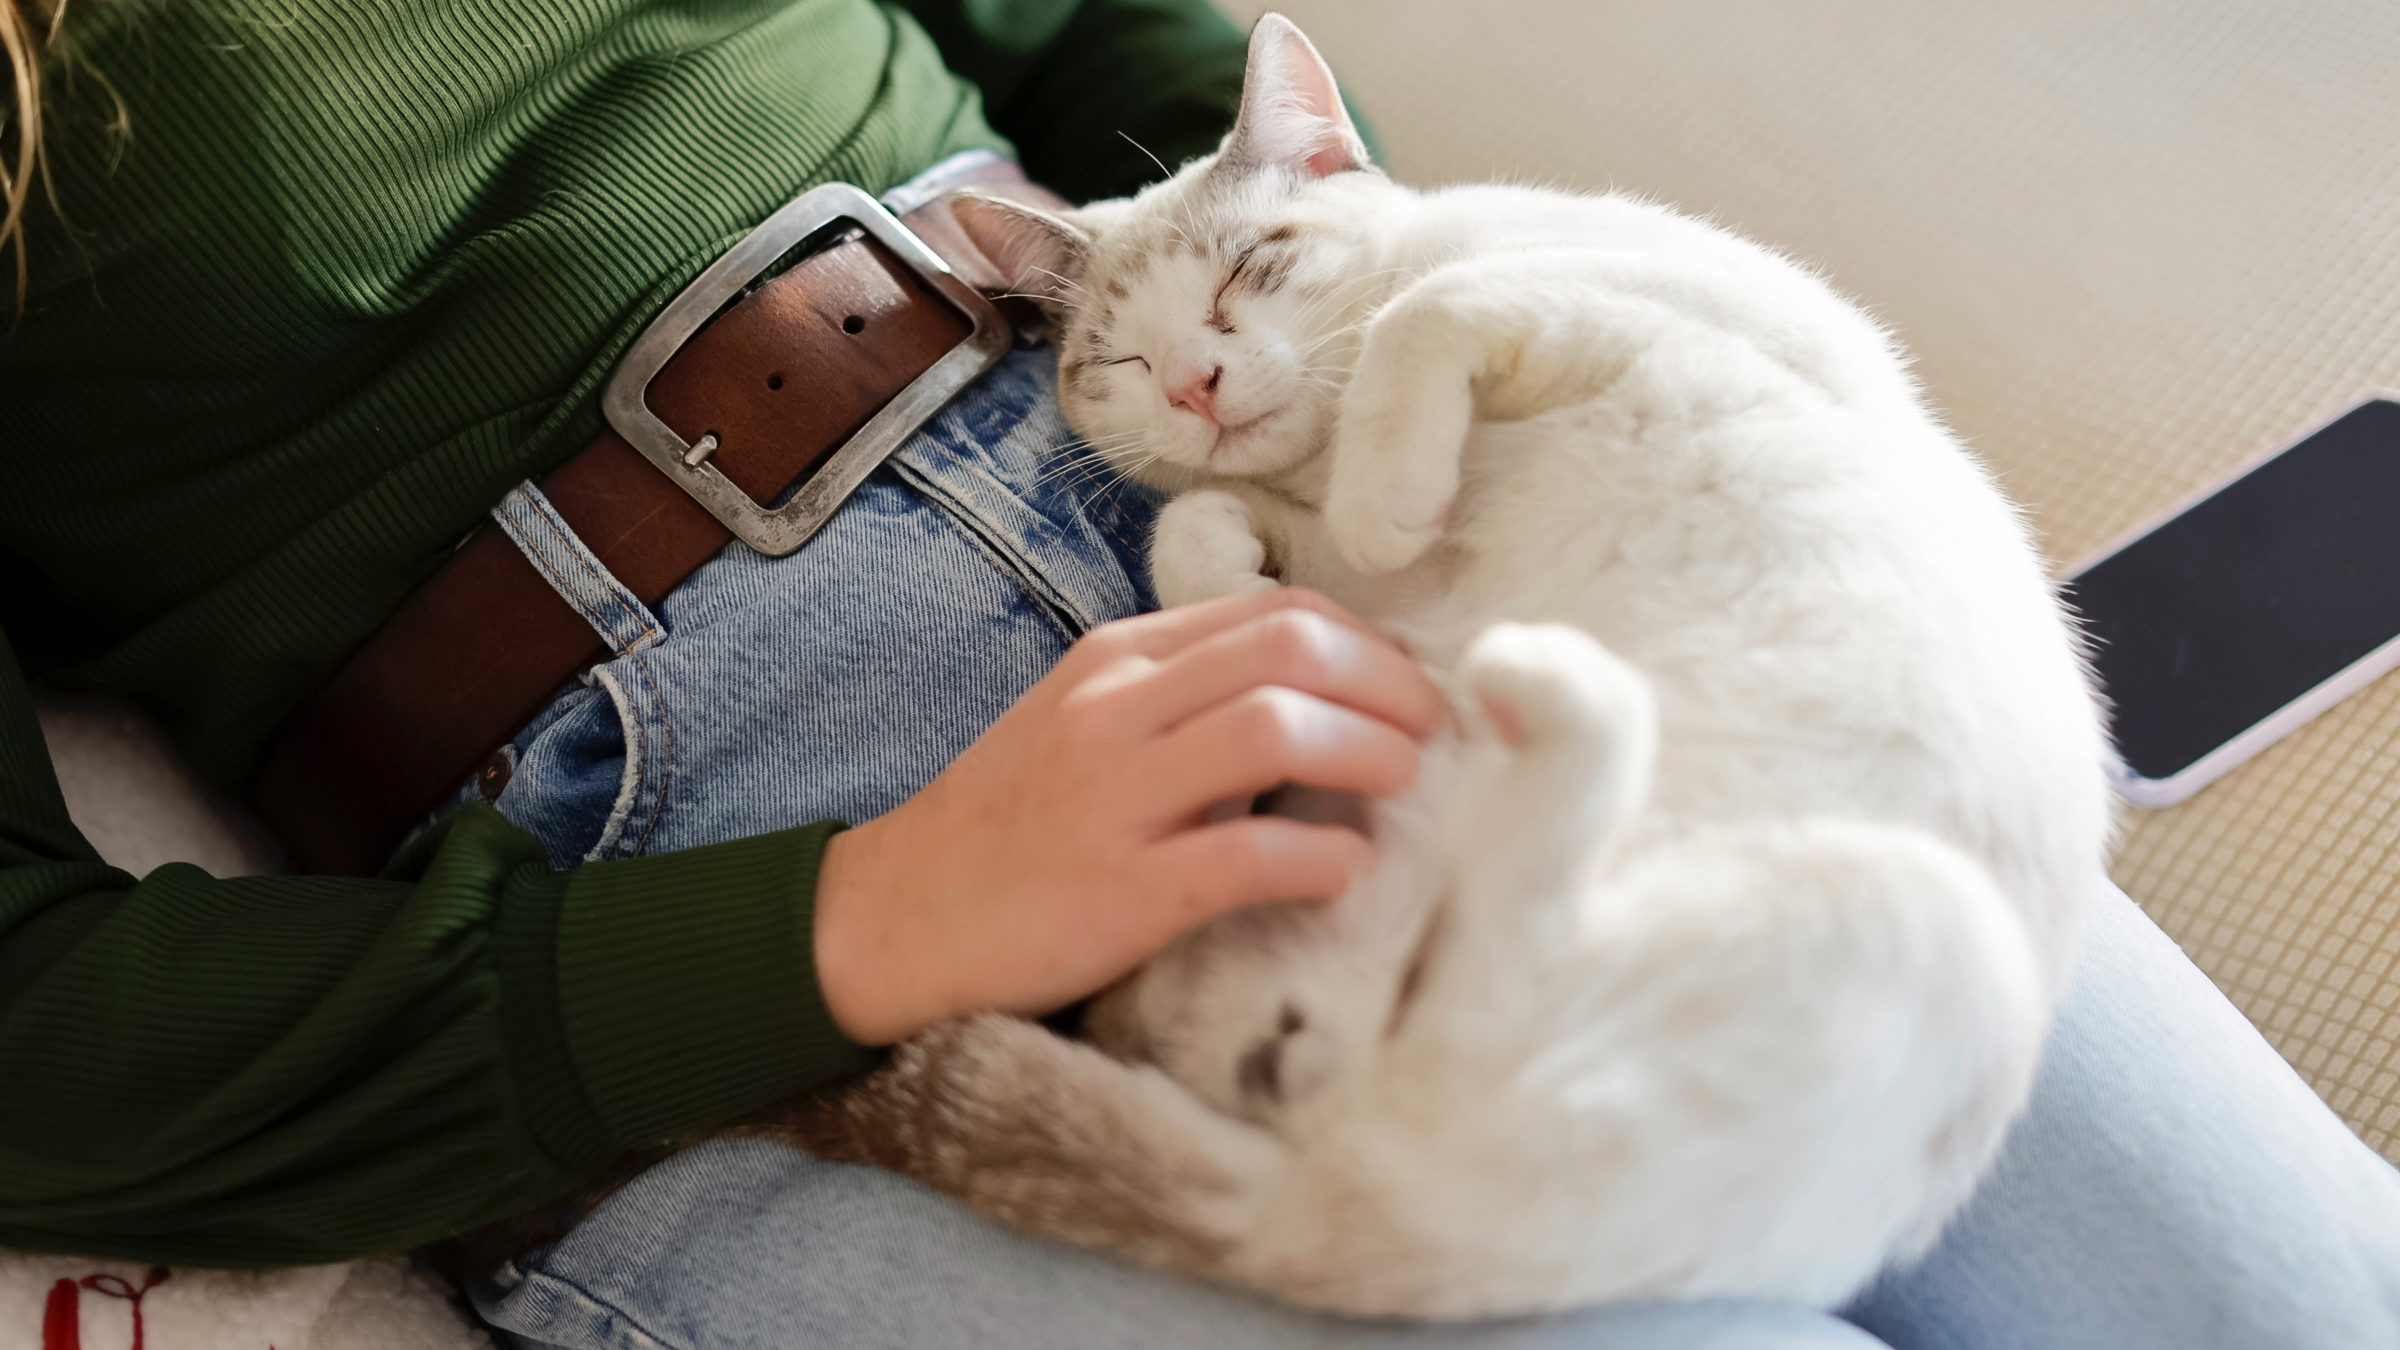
1713 950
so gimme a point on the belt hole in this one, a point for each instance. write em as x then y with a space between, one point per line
774 381
854 325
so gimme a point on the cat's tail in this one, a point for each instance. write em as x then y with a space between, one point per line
1052 1137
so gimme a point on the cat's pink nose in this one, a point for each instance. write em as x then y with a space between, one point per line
1198 394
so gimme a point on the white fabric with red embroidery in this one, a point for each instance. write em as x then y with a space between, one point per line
76 1303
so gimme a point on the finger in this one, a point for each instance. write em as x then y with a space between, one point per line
1295 649
1169 631
1255 860
1264 738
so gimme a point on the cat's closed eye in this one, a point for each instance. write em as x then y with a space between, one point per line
1241 263
1217 318
1126 360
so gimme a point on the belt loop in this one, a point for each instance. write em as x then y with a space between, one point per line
551 545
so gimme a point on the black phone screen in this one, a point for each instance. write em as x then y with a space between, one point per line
2274 584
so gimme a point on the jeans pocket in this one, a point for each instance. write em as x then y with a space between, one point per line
573 784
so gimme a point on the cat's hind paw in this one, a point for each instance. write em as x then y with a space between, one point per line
1580 726
1543 684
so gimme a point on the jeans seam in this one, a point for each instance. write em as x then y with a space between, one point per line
586 1296
1006 538
666 752
1053 609
633 720
988 538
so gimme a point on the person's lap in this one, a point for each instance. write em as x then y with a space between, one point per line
743 1243
2173 1184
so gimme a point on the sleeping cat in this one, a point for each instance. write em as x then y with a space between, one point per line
1712 952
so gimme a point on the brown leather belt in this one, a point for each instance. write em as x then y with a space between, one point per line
812 360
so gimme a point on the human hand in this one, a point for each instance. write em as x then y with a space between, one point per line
1071 840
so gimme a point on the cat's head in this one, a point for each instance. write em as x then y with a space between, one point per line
1205 326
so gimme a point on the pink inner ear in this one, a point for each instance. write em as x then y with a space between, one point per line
1323 99
1291 101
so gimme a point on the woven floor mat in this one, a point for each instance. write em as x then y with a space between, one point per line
2132 244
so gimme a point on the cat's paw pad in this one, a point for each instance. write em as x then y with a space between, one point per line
1541 684
1205 547
1284 1065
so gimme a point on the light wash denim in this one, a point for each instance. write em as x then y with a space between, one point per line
835 682
2173 1185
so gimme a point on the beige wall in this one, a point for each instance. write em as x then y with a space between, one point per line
2132 245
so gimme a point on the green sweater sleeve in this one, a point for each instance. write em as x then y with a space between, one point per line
274 1070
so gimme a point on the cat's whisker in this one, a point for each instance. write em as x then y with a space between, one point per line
1081 468
1064 283
1119 455
1163 170
1089 466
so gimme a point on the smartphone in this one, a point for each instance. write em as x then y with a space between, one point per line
2232 619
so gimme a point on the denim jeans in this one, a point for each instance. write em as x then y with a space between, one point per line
835 682
2174 1184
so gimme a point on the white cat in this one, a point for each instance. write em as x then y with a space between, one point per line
1713 952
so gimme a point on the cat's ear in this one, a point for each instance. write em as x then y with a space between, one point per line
1292 116
1036 253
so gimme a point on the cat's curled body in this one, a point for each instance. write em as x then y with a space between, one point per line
1714 948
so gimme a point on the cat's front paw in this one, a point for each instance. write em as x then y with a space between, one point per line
1206 545
1380 526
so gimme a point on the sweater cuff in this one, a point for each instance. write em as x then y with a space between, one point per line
687 984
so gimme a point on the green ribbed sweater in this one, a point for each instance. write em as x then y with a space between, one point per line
356 271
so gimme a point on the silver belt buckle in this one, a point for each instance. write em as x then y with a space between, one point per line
776 532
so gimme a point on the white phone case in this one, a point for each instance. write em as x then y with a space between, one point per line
2158 792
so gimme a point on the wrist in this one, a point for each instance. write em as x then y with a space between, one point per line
868 970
